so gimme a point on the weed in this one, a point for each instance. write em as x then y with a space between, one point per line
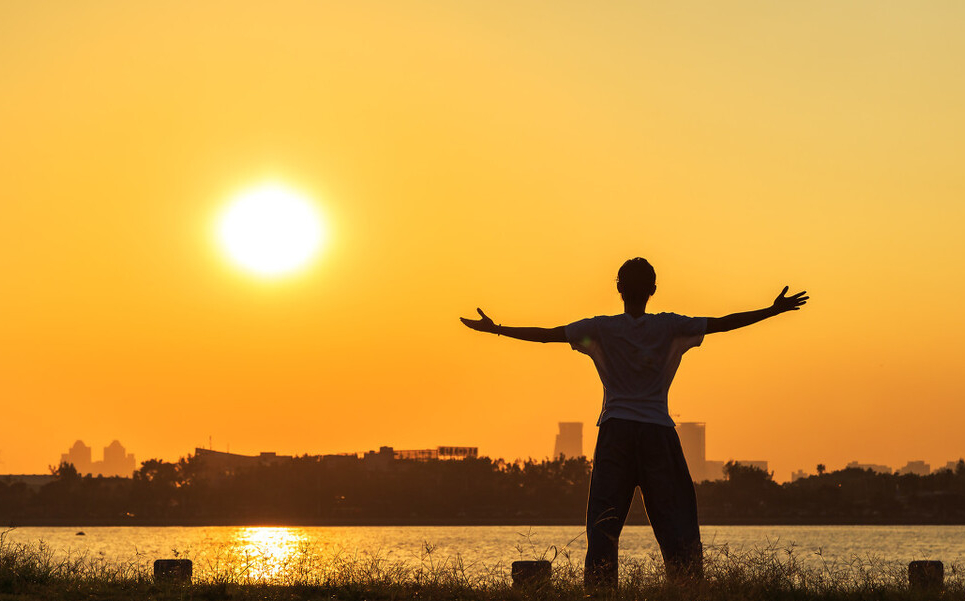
774 572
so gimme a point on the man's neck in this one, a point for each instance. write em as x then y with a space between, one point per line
635 309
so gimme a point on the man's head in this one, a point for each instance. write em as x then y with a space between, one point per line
636 280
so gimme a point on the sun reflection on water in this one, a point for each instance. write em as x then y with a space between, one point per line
269 554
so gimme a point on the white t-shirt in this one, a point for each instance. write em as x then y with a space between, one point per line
636 359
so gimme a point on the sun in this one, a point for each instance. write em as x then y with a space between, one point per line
271 231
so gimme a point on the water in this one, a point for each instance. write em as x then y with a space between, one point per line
269 553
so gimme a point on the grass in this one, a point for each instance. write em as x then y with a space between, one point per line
35 571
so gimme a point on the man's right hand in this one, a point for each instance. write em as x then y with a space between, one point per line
480 325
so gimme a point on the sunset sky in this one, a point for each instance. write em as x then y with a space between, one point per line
505 155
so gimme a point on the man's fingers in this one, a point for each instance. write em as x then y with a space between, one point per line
795 301
790 303
476 324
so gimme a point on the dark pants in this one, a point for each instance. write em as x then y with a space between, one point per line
631 454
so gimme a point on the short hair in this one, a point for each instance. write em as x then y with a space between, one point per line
636 279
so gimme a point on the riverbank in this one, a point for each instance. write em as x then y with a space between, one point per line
392 592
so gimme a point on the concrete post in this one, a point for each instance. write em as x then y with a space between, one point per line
530 574
926 575
173 571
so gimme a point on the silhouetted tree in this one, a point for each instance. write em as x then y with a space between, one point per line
65 472
319 491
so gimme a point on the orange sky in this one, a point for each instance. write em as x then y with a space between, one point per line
508 155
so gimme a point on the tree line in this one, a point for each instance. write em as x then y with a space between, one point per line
312 491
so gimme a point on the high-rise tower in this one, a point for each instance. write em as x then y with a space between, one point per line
693 441
569 442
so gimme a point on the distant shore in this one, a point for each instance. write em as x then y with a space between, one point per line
470 492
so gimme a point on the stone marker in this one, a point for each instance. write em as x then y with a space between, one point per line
926 575
173 571
531 573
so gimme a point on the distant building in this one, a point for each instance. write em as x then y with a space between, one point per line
417 454
874 467
693 442
438 453
799 475
953 465
117 461
713 470
919 468
219 463
759 464
458 452
79 456
339 460
379 460
569 441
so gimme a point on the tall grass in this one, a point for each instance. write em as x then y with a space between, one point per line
35 571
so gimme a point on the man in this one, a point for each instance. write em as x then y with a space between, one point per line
636 355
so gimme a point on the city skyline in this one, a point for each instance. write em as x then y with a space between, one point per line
699 467
692 436
694 447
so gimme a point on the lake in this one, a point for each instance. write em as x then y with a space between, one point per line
274 553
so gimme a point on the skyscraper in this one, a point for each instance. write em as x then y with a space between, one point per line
117 461
569 442
79 456
693 441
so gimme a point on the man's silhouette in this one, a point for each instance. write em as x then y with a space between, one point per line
636 354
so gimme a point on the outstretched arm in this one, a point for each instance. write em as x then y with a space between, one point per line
485 324
738 320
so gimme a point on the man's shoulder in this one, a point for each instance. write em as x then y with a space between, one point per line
670 315
599 319
590 327
625 320
671 322
682 325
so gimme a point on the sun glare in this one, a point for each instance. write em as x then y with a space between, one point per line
271 231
